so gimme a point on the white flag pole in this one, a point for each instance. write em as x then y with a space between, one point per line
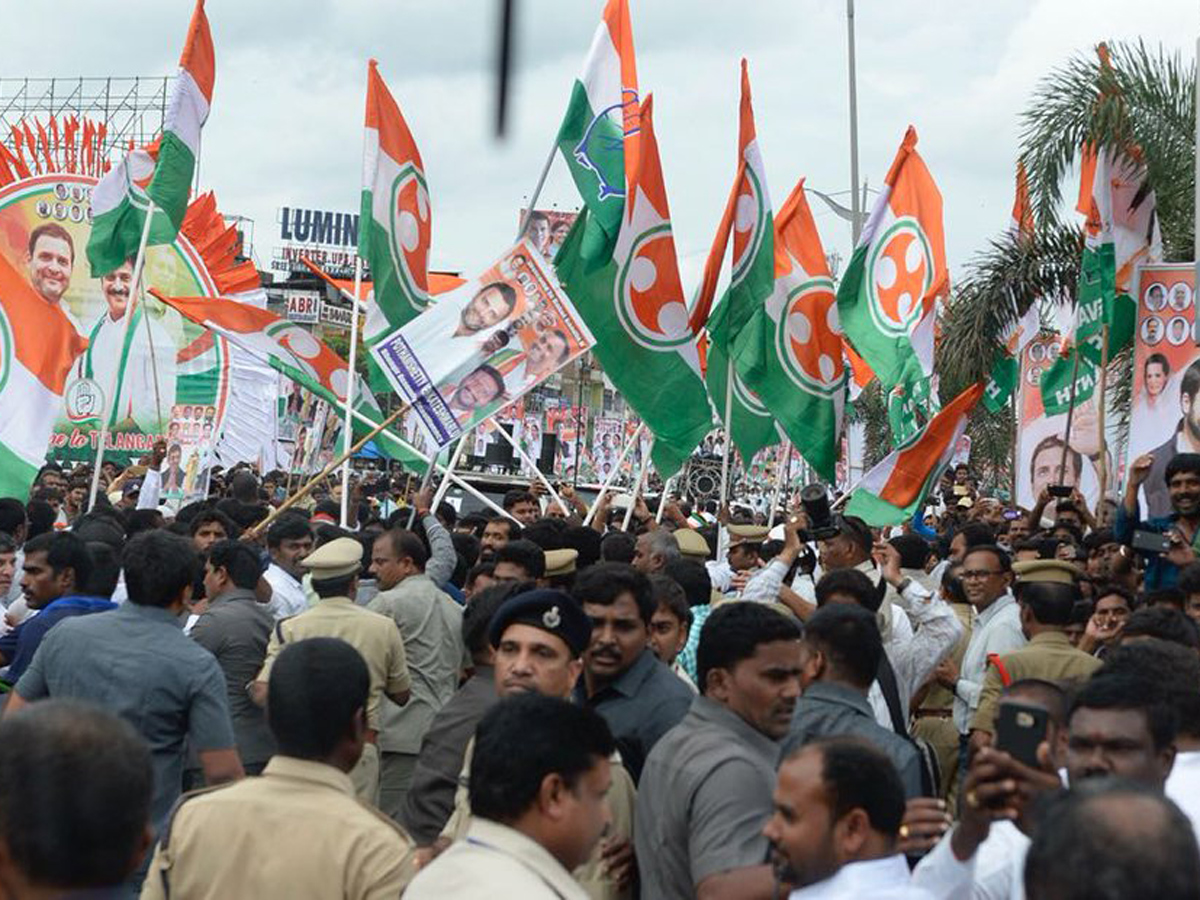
785 466
728 433
110 398
662 501
613 474
637 488
445 485
351 381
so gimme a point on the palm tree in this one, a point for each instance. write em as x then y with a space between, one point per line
1126 97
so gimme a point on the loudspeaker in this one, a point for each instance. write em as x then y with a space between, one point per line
499 453
549 452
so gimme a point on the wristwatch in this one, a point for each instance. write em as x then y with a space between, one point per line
903 585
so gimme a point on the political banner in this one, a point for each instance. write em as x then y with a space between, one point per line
1040 437
547 229
165 361
1164 415
188 463
483 345
607 444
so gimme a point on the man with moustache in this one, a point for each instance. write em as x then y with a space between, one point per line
706 789
144 353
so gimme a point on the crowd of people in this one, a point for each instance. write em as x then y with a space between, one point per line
231 700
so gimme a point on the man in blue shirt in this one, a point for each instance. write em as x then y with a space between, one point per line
57 580
1182 526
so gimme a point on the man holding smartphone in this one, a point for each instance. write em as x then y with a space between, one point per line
1181 527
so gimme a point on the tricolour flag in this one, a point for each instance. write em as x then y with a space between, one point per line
634 306
38 347
892 491
748 218
289 349
160 172
898 270
599 136
395 223
790 352
1021 225
1006 371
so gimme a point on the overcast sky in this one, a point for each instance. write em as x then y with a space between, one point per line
286 121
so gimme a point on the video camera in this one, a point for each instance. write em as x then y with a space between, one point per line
823 524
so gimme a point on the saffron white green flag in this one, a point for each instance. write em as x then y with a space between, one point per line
288 348
892 491
38 347
160 172
599 133
790 352
395 224
634 306
886 300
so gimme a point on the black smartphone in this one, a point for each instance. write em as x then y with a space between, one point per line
1151 542
1059 490
1019 730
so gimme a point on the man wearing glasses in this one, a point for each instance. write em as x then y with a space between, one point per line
986 578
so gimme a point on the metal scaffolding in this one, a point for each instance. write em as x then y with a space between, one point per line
132 109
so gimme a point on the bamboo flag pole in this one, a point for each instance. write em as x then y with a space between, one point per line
308 486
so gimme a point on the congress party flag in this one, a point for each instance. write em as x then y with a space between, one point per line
160 172
790 352
748 218
289 349
599 136
635 307
898 271
396 221
1021 224
38 347
893 491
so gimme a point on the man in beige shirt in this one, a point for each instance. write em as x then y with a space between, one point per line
335 569
222 843
540 778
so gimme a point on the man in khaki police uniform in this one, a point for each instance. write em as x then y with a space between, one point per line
223 842
540 779
539 638
1046 591
335 569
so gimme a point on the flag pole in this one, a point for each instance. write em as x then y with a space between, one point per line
613 474
351 381
662 501
783 476
855 209
445 485
111 397
1100 409
529 462
537 191
1062 465
637 488
728 433
322 475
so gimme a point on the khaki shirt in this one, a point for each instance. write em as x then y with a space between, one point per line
1048 655
495 861
374 636
939 697
622 797
226 842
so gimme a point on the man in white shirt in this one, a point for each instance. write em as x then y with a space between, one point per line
838 808
143 352
289 540
986 578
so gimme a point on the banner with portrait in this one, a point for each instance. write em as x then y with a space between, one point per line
165 362
483 345
1164 417
1040 438
547 229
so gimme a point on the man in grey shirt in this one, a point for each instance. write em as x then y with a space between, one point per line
841 650
706 790
639 697
137 662
235 629
430 623
430 799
